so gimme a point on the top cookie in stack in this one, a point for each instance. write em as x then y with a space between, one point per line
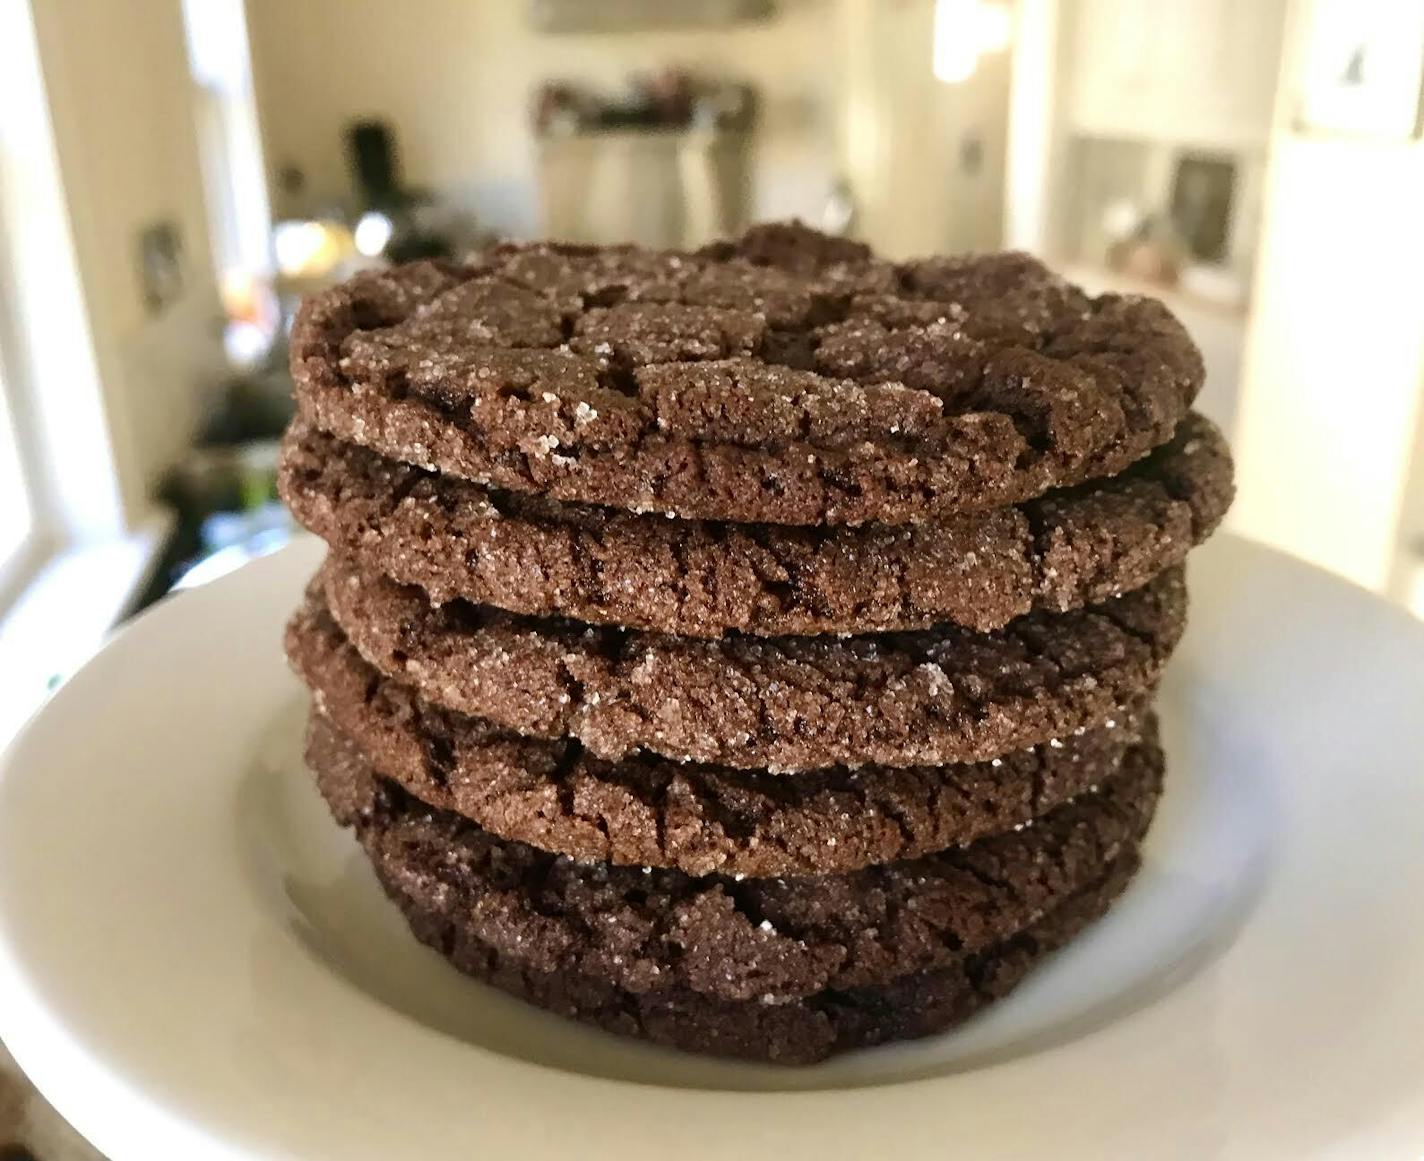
749 649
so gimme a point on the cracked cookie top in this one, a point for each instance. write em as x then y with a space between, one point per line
782 378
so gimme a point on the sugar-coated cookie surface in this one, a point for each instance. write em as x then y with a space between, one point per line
750 649
927 697
554 795
783 378
794 1031
648 930
529 554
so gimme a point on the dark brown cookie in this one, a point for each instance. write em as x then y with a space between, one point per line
532 555
796 1031
699 819
652 929
799 383
930 697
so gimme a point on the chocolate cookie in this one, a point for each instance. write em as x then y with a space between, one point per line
529 554
699 819
795 1031
653 929
929 697
797 383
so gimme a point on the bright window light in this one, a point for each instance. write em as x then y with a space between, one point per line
309 249
229 141
956 51
16 517
964 30
373 232
996 27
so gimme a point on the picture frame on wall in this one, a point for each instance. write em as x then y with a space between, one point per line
1363 68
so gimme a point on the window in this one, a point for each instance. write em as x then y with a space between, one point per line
17 515
229 143
71 552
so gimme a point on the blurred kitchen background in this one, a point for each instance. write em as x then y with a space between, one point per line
174 174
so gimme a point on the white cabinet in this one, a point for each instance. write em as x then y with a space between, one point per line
1333 380
1194 72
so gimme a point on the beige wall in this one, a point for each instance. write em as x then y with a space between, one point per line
456 79
846 87
917 194
117 80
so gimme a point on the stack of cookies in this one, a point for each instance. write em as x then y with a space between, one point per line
751 650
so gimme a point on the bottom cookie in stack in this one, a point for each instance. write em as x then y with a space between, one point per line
788 969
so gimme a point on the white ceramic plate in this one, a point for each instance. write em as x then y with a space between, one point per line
194 961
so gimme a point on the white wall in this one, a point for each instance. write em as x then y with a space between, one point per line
1334 365
1037 83
117 81
1406 582
456 80
1112 90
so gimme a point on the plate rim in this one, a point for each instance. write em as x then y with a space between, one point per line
90 1093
